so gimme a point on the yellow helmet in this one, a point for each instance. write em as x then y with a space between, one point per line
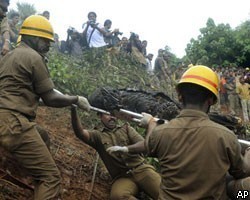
202 76
36 25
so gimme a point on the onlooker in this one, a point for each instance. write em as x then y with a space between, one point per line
73 42
223 93
161 67
232 95
149 66
4 29
14 19
93 32
247 75
111 37
46 14
24 79
144 44
242 90
123 44
130 172
57 44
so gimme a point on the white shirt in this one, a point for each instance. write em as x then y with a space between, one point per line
97 39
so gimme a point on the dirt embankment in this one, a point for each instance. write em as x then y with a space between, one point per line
75 160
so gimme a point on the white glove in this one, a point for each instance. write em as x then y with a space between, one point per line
145 120
117 149
83 103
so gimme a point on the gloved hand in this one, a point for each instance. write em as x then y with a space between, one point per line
83 103
117 149
145 120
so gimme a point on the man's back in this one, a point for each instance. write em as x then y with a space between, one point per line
183 147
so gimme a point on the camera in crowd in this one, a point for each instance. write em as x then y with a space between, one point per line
91 22
118 33
71 30
133 36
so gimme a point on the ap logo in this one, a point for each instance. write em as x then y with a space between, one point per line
242 194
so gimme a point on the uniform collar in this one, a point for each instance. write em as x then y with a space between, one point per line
192 113
23 44
105 129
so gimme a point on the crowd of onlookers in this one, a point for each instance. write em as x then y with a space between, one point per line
234 91
93 35
97 35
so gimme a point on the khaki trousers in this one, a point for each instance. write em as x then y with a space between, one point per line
143 178
21 139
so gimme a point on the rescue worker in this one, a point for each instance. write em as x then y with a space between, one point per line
4 27
130 172
24 79
195 154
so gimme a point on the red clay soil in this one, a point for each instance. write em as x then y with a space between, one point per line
75 160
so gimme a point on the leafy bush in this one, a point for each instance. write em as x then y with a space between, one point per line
96 68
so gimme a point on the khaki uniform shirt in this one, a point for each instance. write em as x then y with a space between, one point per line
4 25
243 91
23 77
116 163
195 155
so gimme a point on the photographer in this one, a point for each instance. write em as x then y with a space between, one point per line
73 42
111 37
93 33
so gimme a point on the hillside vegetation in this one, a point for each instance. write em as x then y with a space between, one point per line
99 68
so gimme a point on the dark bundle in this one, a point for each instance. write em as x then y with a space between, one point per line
157 104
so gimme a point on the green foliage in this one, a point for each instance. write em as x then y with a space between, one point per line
243 43
215 45
96 68
25 10
221 45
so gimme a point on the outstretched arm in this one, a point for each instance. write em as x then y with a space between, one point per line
134 148
55 98
81 133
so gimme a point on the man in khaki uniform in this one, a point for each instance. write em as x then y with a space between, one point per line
195 153
4 27
24 79
242 89
130 172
